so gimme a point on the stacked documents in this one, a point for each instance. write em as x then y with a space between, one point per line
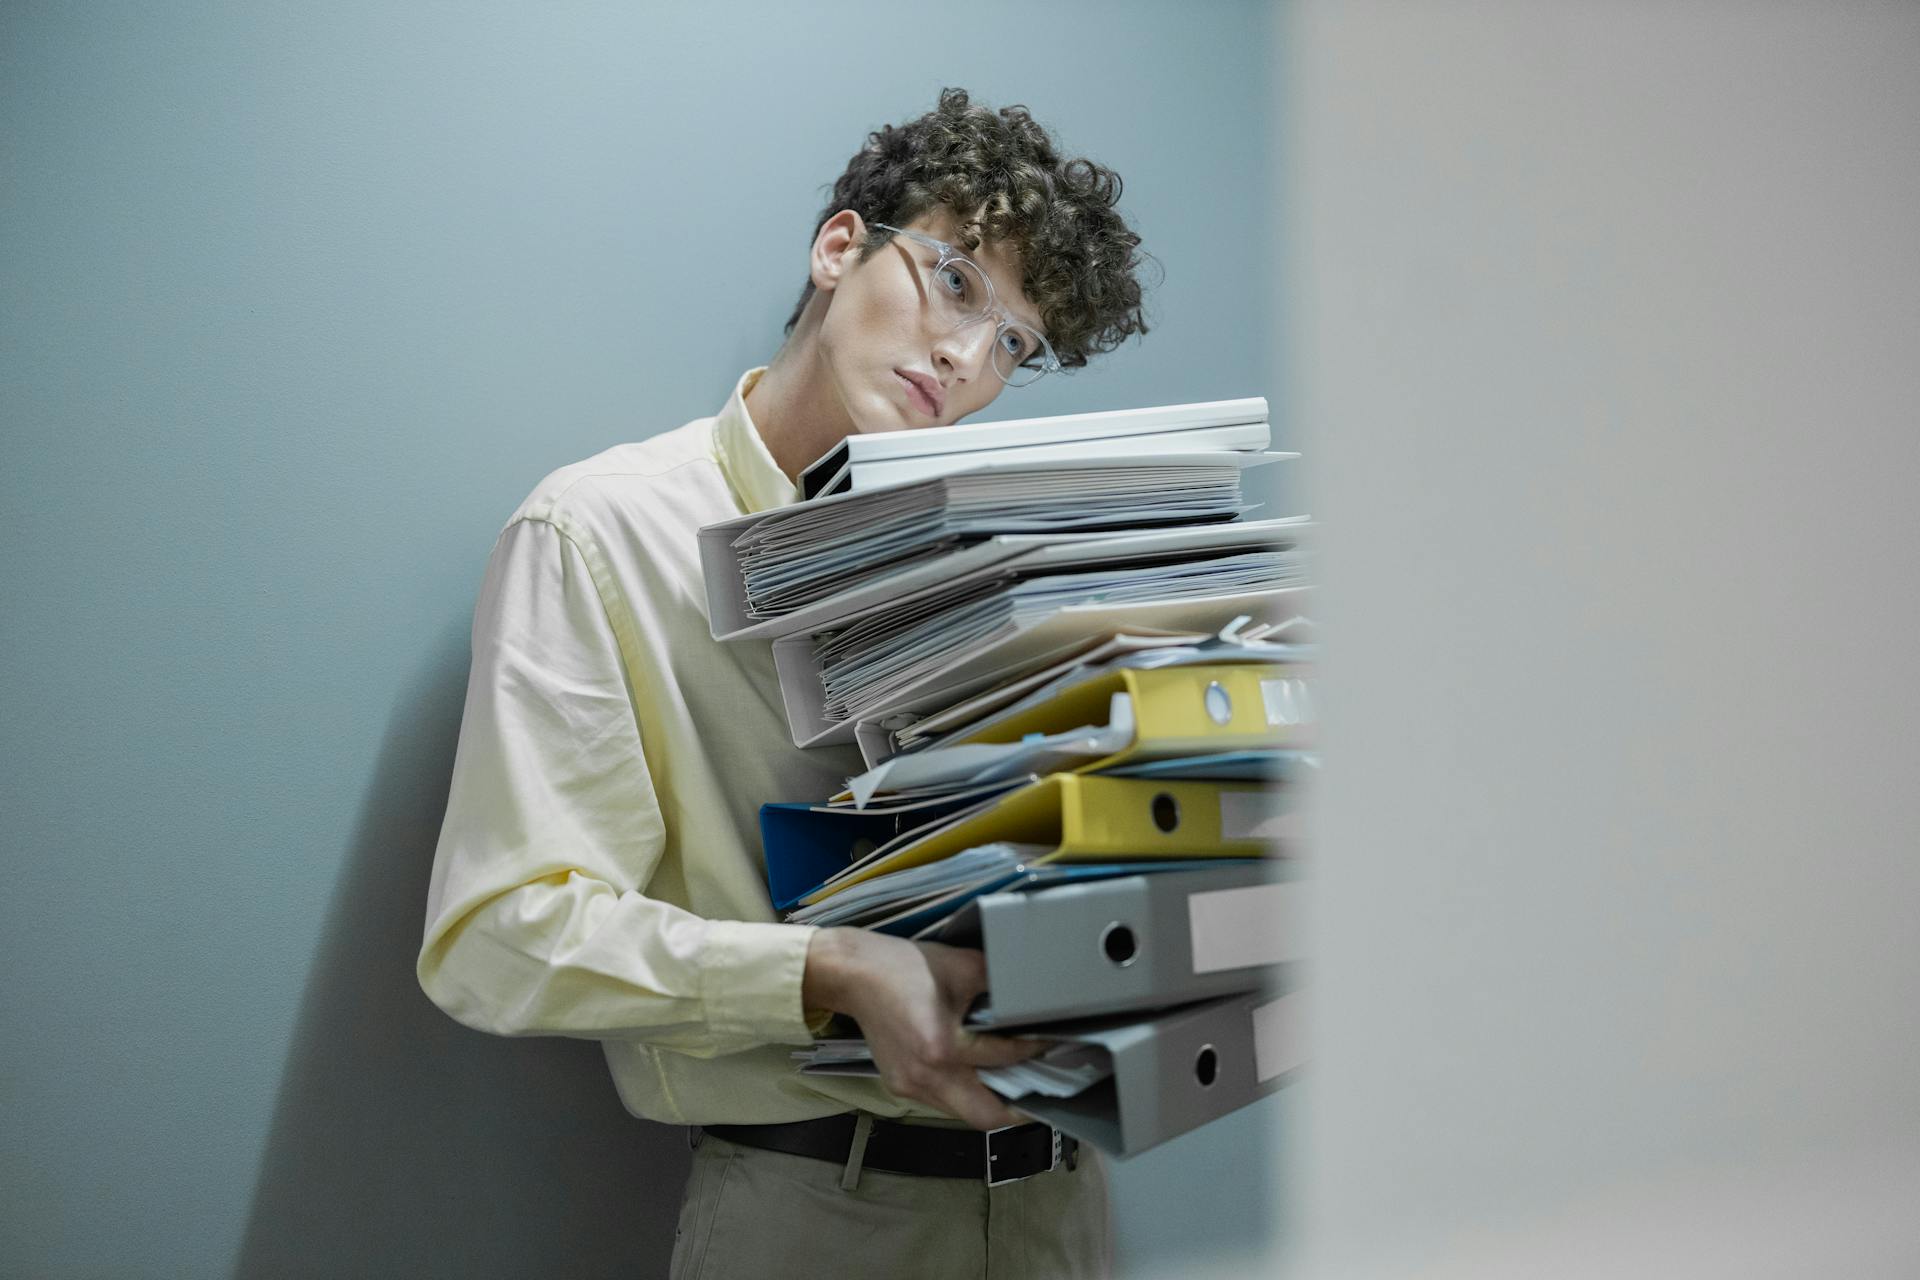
1081 683
865 667
878 458
1060 1071
1125 1084
797 555
916 641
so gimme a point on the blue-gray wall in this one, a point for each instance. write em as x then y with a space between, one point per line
299 302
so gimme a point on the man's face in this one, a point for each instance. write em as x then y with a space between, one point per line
893 361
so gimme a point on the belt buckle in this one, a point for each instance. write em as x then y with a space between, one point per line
994 1179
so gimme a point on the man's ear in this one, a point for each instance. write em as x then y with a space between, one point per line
834 249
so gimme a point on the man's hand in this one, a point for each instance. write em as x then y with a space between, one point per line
909 999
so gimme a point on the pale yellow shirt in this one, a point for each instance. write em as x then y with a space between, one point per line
599 870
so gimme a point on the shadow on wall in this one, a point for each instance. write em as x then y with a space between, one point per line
405 1144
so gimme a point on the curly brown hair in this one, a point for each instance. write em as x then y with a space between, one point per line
1004 180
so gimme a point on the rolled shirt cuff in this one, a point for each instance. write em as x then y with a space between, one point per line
750 981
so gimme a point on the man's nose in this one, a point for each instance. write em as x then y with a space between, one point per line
968 347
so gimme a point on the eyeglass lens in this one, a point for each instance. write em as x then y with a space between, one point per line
960 292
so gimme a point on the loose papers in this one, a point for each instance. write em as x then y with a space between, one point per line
862 665
1061 1071
795 556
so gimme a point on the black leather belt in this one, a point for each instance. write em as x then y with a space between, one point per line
999 1155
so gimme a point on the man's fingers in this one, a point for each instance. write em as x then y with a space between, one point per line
979 1106
995 1051
962 970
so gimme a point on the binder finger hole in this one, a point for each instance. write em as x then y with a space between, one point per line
1166 812
1206 1066
1118 943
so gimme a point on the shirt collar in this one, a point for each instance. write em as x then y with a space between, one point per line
756 479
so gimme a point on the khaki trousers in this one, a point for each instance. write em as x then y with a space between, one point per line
752 1214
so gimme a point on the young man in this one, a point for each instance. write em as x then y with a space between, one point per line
599 872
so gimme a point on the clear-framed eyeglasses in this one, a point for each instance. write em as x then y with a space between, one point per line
963 295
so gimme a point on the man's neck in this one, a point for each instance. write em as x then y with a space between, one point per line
796 412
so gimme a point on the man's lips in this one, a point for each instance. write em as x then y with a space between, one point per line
922 400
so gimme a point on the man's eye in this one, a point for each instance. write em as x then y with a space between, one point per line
954 281
1015 345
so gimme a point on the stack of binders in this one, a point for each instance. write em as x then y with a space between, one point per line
1080 681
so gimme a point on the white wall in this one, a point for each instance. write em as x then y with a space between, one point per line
1604 328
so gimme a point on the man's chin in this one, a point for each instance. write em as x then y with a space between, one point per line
882 413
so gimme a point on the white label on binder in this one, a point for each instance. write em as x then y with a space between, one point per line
1253 815
1235 928
1286 701
1279 1042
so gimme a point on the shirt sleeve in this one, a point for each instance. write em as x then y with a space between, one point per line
537 919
